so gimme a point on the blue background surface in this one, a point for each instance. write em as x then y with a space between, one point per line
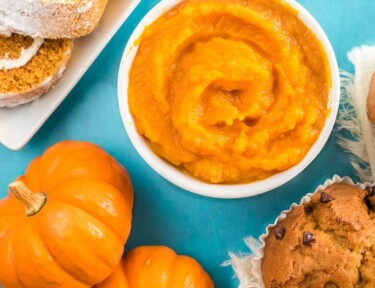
164 214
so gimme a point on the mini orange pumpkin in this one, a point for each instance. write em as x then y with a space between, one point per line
78 202
157 267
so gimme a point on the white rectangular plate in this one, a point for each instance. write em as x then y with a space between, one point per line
18 125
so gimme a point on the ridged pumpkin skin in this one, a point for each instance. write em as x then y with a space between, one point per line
77 237
157 267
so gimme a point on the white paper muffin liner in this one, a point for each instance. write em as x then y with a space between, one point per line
248 266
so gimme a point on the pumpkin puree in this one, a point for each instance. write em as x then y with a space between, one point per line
230 90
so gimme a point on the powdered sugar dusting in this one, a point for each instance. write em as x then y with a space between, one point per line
60 71
85 8
47 82
5 32
14 99
50 19
11 11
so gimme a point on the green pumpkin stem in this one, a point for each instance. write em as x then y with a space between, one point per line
33 202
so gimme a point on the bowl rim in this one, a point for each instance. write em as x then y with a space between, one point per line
194 185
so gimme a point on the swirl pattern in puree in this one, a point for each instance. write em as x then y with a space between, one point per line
230 90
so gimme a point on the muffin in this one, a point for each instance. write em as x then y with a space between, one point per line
327 242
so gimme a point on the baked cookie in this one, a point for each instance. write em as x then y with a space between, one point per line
327 243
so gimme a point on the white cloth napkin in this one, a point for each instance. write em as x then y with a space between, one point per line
353 114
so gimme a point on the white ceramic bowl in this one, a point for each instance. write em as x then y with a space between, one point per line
189 183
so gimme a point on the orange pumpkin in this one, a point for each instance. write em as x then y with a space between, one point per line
157 267
78 203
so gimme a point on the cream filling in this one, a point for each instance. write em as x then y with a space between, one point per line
24 58
5 32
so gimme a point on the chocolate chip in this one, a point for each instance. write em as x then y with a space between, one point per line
308 238
309 210
325 197
330 284
370 191
279 232
368 203
370 198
